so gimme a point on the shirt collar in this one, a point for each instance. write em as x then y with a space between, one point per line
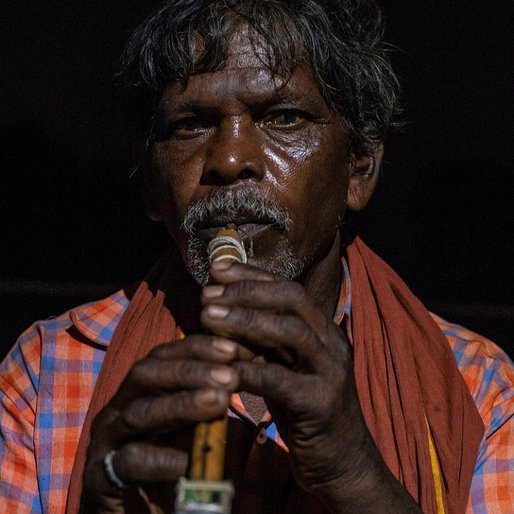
98 320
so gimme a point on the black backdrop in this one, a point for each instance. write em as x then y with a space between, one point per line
73 226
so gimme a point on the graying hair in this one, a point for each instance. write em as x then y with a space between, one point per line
339 40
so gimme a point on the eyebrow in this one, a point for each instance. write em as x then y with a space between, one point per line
177 106
262 101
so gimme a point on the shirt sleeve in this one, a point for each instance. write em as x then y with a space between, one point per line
489 375
18 398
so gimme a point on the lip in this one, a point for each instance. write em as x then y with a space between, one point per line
246 230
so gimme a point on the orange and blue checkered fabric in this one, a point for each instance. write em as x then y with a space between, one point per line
47 380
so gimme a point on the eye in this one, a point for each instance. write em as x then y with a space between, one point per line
188 127
285 118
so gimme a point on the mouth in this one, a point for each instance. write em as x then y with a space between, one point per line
247 230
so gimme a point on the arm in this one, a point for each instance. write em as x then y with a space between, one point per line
489 374
19 490
491 487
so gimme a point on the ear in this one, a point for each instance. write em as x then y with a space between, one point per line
364 173
144 169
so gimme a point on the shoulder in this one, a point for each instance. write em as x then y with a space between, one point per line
487 371
489 375
70 336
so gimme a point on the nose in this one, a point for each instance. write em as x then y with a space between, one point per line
234 154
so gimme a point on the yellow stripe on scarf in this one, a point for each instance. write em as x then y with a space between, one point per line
436 472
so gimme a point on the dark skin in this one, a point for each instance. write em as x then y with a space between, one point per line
241 128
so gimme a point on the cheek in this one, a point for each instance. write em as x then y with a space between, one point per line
326 181
334 172
177 180
309 160
320 185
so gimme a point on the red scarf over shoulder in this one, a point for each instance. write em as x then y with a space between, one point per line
406 376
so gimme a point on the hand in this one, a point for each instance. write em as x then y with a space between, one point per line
308 384
176 385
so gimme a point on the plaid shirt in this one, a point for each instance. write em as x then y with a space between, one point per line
47 380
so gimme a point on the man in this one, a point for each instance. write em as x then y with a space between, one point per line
269 115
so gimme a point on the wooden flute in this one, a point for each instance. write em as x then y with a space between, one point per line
205 491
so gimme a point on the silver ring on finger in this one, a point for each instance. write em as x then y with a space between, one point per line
111 474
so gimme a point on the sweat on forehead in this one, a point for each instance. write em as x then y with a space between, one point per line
339 40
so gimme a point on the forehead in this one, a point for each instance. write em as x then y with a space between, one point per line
246 49
247 76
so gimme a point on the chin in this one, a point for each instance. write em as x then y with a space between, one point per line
283 261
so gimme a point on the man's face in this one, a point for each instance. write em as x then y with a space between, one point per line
265 153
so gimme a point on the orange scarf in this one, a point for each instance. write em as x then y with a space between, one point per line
406 376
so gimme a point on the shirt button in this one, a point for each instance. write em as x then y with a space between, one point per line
262 436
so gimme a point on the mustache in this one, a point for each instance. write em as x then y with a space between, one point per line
219 208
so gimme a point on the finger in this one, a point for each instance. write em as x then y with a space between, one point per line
197 347
223 272
284 335
145 416
279 296
145 463
135 462
152 376
202 347
288 391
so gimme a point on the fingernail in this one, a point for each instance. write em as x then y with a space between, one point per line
217 311
222 375
221 265
224 345
209 396
213 291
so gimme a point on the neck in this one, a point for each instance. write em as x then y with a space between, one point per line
322 280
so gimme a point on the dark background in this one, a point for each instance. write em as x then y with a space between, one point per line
72 223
